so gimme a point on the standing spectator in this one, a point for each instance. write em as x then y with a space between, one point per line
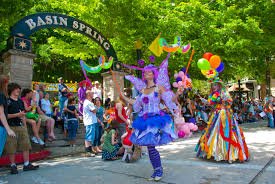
17 122
32 117
42 91
187 110
121 118
107 101
110 113
4 126
81 95
269 112
89 120
72 119
36 93
99 125
97 90
62 93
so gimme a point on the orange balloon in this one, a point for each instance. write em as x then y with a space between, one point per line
215 61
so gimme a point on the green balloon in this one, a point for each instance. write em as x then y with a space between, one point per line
203 64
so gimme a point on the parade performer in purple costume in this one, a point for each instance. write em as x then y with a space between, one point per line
153 127
82 95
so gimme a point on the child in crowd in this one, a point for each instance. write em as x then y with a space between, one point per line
110 112
72 119
110 145
57 117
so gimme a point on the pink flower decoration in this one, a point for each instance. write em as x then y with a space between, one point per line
141 63
152 58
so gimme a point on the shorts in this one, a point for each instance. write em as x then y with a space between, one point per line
20 143
90 132
65 124
72 129
43 118
3 138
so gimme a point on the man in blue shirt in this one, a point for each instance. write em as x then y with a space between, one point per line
62 93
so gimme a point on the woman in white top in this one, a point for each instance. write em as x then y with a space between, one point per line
46 105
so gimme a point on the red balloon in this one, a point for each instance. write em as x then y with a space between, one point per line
207 55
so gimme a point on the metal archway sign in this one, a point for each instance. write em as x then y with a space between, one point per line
24 28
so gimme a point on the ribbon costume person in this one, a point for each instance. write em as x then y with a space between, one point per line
153 127
223 139
81 92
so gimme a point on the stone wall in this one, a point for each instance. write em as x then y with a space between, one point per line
109 86
18 65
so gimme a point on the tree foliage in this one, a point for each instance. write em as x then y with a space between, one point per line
240 31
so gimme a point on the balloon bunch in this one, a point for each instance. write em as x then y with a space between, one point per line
174 47
184 130
210 65
182 80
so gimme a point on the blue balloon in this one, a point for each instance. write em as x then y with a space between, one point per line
220 67
178 79
188 75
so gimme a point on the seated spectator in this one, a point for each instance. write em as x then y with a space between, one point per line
46 105
17 122
109 141
32 117
48 122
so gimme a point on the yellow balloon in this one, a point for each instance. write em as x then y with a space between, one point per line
204 72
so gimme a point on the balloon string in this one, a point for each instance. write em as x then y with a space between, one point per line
115 81
188 65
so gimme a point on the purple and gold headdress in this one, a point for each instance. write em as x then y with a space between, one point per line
160 75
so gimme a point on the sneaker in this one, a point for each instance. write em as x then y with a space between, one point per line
40 142
14 169
159 173
30 167
92 155
34 140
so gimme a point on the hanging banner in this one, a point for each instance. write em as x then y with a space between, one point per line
53 87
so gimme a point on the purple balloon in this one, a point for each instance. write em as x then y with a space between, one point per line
220 67
188 75
178 79
183 69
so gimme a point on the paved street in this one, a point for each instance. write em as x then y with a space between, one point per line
179 161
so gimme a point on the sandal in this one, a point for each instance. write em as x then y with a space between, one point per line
114 158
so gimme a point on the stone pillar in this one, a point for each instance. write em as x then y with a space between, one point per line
18 65
109 86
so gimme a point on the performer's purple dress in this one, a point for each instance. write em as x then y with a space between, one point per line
152 127
81 97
